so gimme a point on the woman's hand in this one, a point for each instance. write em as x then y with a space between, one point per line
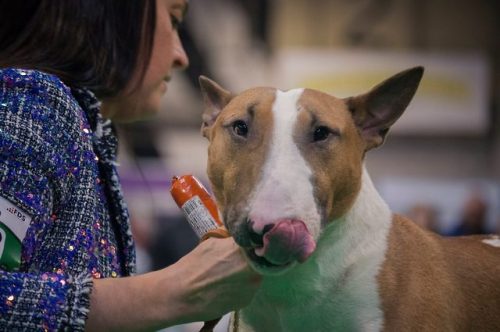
210 281
216 279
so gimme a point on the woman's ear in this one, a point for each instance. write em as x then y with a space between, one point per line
215 98
376 111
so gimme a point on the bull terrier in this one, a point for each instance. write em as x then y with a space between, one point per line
287 171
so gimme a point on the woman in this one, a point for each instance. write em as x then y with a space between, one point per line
59 191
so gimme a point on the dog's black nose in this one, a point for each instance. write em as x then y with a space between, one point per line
267 228
257 238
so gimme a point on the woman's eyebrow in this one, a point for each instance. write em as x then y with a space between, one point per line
183 7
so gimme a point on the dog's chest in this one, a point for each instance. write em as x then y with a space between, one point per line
336 289
347 305
318 296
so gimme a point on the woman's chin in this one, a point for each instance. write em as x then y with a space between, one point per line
136 106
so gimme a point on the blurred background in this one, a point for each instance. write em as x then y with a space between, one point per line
441 162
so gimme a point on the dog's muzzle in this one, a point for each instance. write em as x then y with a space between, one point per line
281 243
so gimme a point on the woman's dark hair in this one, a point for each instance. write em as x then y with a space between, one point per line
98 44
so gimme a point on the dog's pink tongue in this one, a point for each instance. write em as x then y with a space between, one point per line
287 241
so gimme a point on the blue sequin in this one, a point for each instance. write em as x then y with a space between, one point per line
54 167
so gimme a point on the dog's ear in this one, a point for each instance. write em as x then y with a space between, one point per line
215 99
376 111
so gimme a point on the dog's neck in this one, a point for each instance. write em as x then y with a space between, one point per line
341 273
362 232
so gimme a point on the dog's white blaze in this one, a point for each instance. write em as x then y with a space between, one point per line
494 241
284 191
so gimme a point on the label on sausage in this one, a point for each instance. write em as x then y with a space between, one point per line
14 223
199 218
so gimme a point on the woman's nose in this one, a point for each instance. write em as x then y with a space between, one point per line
181 59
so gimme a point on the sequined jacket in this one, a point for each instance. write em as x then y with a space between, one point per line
57 164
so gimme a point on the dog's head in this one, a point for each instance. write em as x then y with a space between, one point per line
284 165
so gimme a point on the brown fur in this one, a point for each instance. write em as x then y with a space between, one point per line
230 165
342 171
431 283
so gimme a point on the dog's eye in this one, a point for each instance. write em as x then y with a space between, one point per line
321 133
240 128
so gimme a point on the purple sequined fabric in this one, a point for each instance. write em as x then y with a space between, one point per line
57 163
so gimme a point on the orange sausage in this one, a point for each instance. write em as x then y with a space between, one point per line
198 206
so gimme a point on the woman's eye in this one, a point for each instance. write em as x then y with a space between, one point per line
240 128
175 22
321 133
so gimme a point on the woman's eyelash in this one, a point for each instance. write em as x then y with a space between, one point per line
175 22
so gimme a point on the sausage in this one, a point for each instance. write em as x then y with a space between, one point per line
198 207
202 214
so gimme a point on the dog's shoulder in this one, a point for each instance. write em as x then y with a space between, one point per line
438 277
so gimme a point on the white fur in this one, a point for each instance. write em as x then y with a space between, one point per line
285 190
494 241
336 288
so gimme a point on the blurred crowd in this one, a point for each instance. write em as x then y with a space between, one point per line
472 217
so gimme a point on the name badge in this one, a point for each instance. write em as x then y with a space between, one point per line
14 223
